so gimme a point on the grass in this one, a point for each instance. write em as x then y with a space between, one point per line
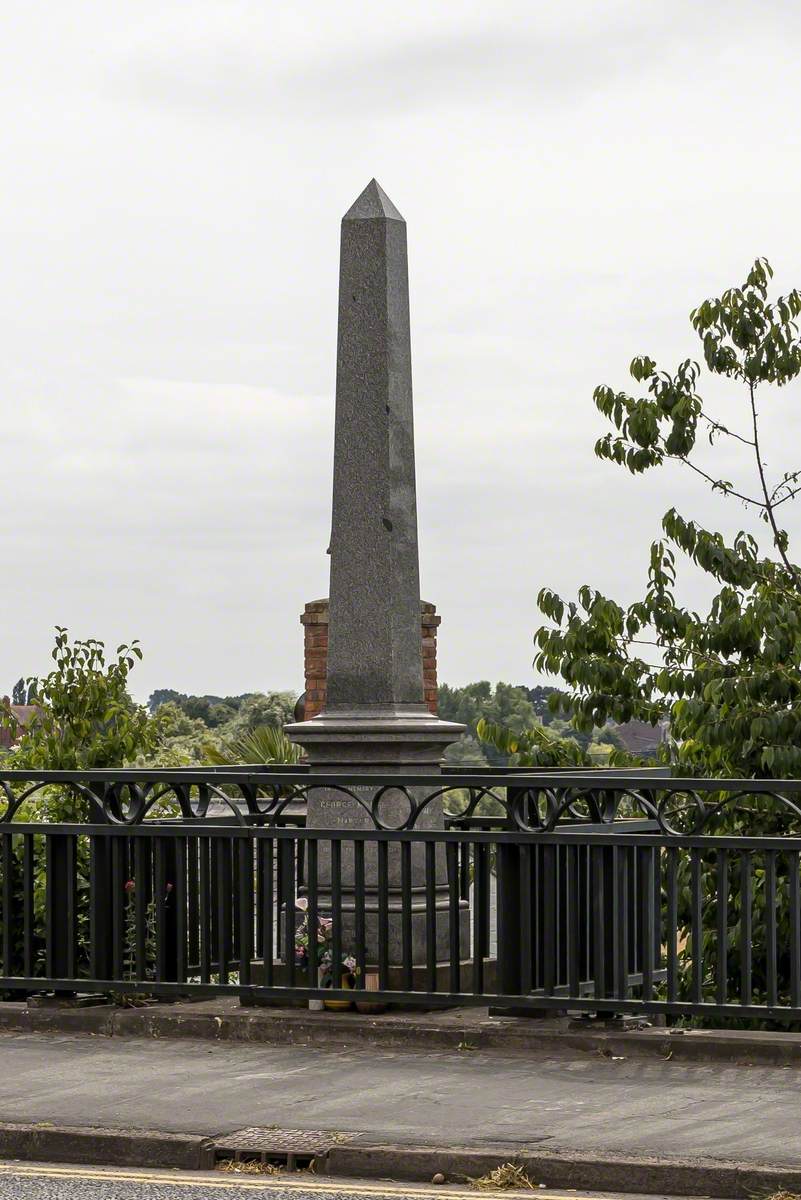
250 1166
510 1175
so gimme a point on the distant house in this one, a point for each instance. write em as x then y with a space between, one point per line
642 739
23 713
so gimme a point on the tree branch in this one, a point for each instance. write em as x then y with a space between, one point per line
792 492
716 483
723 429
777 538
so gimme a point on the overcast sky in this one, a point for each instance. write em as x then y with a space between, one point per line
575 177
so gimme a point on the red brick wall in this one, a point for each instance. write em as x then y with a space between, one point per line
315 652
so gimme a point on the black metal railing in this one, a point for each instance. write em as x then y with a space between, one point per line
531 800
538 891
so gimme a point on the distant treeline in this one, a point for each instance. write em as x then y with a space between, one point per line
516 707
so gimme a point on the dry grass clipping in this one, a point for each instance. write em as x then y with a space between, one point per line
784 1196
510 1175
250 1166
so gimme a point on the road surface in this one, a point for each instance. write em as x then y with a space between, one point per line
40 1181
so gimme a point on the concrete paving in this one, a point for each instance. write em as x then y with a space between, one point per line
591 1104
223 1018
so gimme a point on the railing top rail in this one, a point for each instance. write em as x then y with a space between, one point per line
589 778
564 836
533 801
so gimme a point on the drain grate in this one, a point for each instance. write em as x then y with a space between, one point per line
294 1149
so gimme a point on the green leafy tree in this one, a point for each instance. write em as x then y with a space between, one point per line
533 747
513 714
275 709
188 739
198 708
84 719
163 696
539 697
183 740
84 715
728 680
502 704
246 711
465 753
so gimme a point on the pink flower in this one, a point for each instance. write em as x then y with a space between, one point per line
130 885
170 887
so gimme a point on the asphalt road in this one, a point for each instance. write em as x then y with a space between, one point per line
28 1181
42 1182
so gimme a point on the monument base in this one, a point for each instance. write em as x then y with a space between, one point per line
420 982
384 740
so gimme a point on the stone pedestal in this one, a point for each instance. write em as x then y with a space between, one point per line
388 743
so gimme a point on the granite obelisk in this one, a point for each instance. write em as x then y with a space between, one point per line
375 719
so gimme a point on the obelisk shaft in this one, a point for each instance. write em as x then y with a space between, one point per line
374 652
374 717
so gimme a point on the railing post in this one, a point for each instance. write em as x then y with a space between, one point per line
10 921
286 892
511 883
60 913
166 891
101 924
605 920
509 974
481 896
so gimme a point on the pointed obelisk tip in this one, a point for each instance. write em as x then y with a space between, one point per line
373 205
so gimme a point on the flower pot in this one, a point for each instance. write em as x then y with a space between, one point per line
370 985
341 1005
317 1005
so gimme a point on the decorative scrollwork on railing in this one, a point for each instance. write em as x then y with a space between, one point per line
685 811
12 802
528 803
124 801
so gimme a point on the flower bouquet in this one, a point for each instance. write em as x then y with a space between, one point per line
345 971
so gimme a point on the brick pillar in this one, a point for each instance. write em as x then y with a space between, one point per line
315 654
430 623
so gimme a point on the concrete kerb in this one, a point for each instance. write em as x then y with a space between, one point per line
582 1172
106 1147
579 1172
455 1029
